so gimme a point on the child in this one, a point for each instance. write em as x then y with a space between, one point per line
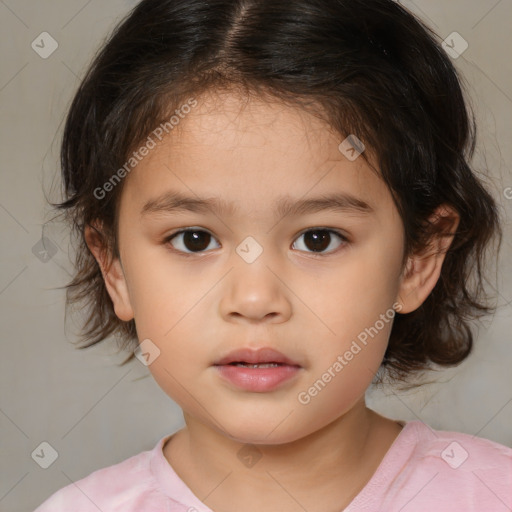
319 149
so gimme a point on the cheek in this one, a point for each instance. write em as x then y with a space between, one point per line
352 296
171 307
344 369
355 308
160 294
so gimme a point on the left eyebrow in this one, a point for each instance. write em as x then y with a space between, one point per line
175 202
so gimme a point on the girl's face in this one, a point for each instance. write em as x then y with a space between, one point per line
317 284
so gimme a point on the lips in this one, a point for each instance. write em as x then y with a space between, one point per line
257 371
252 357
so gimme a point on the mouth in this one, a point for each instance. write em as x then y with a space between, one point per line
256 358
257 365
256 371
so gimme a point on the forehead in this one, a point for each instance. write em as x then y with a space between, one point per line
240 120
247 155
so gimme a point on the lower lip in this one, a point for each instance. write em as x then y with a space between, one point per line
257 379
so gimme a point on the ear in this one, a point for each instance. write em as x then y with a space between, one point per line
112 272
423 269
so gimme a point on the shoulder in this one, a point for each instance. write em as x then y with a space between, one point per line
464 467
109 488
460 450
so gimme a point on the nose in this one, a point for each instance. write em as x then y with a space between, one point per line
255 292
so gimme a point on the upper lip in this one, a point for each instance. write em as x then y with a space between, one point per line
251 356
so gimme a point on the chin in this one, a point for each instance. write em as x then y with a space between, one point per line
263 429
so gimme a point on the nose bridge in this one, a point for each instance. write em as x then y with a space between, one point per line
254 288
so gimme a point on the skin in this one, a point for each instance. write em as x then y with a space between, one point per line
197 308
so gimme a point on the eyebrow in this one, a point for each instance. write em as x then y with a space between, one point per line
176 202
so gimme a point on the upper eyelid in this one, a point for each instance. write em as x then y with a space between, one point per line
318 228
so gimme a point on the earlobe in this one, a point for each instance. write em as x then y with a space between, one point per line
423 269
113 274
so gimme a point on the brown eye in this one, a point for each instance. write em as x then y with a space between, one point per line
318 240
191 240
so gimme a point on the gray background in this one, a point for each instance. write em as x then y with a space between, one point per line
96 414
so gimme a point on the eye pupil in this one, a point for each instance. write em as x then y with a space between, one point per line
195 240
320 241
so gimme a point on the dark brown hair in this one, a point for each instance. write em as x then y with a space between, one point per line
367 67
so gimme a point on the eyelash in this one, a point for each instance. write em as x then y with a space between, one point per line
167 241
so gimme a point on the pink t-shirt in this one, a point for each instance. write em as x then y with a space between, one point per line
424 470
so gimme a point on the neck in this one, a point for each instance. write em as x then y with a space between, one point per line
330 465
